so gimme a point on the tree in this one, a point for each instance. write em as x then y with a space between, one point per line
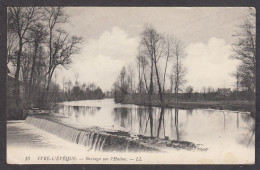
151 48
245 51
145 50
53 16
36 36
155 52
92 86
178 70
63 48
237 77
36 47
131 75
142 65
61 45
171 77
158 49
11 45
20 19
189 91
204 90
140 82
69 85
121 86
168 53
76 79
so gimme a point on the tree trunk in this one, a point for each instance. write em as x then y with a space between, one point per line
165 69
177 82
46 93
151 82
32 70
139 76
17 73
158 81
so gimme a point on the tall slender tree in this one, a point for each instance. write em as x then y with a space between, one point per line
178 70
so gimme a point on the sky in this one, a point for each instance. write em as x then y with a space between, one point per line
111 37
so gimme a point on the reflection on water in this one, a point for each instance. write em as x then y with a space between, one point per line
78 110
207 127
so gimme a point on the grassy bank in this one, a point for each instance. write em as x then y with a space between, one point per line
245 106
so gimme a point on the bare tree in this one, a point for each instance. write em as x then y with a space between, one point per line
54 16
76 75
178 70
204 91
63 48
92 86
121 86
142 70
63 83
138 59
145 47
189 91
168 54
36 36
245 51
131 74
158 53
237 76
11 46
20 19
69 84
151 48
25 66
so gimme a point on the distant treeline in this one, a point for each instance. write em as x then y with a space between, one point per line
76 92
68 92
143 98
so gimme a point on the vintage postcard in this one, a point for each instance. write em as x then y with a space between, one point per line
131 85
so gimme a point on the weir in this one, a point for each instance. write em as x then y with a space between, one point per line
95 141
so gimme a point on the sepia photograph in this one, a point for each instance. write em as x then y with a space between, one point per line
131 85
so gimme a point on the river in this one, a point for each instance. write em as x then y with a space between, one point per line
207 127
228 135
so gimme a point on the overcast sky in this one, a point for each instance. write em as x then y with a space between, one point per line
111 39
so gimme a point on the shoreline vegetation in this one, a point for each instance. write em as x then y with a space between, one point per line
183 103
243 106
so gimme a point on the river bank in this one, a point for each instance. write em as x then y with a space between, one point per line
243 106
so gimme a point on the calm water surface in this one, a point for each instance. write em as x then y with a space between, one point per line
212 128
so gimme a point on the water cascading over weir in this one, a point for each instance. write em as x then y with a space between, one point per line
92 140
